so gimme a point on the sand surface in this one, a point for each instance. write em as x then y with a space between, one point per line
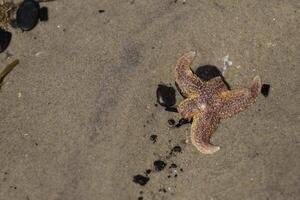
78 111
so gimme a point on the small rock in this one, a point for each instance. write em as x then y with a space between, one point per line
173 165
176 149
181 122
265 89
159 165
171 109
140 179
171 122
153 138
165 95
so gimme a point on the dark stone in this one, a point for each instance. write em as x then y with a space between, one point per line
171 109
153 138
148 171
5 38
165 95
207 72
140 179
101 11
43 14
140 198
159 165
181 122
265 89
176 149
171 122
162 190
173 165
28 15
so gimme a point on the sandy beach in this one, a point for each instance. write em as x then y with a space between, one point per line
78 117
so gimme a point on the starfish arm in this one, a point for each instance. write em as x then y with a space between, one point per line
204 124
187 81
188 107
235 101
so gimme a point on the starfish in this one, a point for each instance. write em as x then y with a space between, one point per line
209 102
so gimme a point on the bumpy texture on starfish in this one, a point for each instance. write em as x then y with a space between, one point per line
209 102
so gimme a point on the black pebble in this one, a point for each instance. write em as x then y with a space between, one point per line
162 190
207 72
43 14
153 138
171 109
181 169
173 165
140 198
101 11
265 89
165 95
28 15
171 122
176 149
181 122
140 179
5 38
148 171
159 165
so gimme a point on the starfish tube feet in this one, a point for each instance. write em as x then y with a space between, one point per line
202 128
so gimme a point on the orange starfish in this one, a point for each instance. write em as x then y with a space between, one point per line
209 102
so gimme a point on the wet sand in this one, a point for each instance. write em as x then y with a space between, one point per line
78 112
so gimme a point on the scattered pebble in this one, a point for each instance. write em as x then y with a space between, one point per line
171 122
171 109
101 11
148 171
5 38
27 15
159 165
265 89
176 149
153 138
162 190
173 165
165 95
208 72
140 179
181 122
